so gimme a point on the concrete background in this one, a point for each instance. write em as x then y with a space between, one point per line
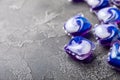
32 41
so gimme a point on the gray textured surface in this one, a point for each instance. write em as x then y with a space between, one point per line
32 40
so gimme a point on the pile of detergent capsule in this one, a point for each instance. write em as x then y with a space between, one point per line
107 32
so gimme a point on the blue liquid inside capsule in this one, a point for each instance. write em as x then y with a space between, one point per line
104 4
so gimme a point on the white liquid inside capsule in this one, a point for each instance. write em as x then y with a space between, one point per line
71 26
101 31
103 14
113 53
80 49
119 50
92 3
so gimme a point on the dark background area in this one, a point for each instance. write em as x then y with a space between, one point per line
32 41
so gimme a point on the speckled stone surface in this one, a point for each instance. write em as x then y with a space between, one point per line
32 41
